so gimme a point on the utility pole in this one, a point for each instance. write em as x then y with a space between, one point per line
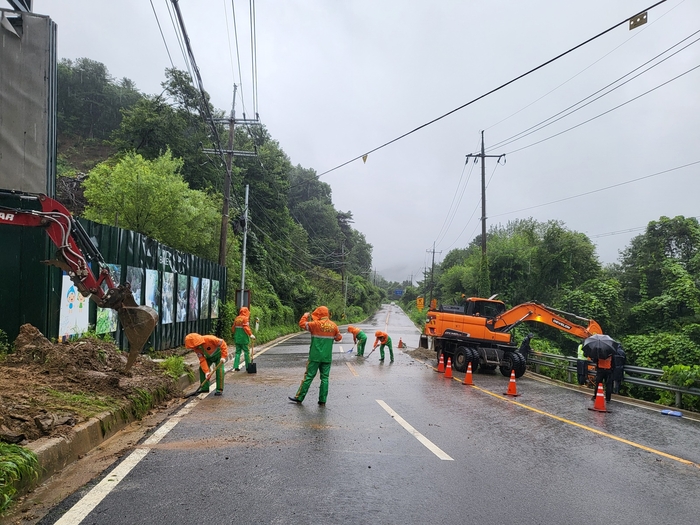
245 240
432 269
483 156
230 153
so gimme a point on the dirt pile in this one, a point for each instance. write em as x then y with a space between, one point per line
46 388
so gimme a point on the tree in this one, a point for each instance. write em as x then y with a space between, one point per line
150 197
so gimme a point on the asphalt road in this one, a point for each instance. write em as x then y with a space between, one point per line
397 443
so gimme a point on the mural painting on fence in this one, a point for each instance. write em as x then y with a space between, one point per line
168 304
204 311
181 298
107 319
214 299
153 290
73 319
135 277
194 299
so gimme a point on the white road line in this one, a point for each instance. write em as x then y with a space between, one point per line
85 506
420 437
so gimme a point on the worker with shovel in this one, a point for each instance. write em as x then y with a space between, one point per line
242 336
210 350
323 333
385 340
359 338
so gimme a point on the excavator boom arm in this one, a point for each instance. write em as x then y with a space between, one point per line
541 313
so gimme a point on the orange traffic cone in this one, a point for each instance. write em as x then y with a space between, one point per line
400 343
441 364
599 405
468 376
448 369
512 389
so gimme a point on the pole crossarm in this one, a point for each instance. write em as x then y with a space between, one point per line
235 153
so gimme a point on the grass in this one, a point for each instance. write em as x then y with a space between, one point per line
87 405
16 464
174 367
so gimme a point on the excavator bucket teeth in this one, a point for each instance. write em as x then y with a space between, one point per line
138 323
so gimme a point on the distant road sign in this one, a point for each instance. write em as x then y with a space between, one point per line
420 304
398 293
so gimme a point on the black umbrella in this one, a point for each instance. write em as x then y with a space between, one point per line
599 346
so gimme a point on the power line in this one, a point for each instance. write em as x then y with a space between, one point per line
551 120
634 35
600 189
162 35
606 112
364 155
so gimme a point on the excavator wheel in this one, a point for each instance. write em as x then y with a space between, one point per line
138 323
461 357
473 358
520 364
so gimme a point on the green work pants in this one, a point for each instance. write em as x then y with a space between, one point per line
311 368
241 347
361 347
219 375
391 350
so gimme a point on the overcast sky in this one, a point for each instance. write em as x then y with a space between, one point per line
339 78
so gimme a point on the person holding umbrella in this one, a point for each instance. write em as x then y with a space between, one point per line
600 349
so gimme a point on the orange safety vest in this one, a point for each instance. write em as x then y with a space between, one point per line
605 364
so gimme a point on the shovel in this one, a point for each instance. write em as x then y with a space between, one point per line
350 351
209 376
373 349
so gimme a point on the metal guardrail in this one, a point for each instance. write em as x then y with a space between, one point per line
538 359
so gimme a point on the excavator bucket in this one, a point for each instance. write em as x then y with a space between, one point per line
138 323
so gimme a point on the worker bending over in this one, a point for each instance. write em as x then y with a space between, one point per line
210 350
242 336
385 340
359 338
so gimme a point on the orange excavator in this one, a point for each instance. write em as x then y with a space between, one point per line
74 249
479 331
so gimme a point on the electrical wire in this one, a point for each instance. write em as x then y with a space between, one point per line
228 36
634 35
600 189
606 112
551 120
491 91
162 35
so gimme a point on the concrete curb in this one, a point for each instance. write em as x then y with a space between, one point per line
54 454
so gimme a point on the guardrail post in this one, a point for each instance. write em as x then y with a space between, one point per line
678 399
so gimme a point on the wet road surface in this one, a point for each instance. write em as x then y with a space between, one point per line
399 443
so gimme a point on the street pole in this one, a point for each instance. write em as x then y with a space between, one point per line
432 269
483 157
245 240
227 184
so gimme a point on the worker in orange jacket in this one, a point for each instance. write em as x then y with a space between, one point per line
323 333
385 340
210 350
359 338
242 336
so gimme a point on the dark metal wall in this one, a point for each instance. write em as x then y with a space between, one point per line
30 292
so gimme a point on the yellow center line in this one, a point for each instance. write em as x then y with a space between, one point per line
584 427
352 369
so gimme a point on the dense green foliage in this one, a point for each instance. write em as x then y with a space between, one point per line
301 251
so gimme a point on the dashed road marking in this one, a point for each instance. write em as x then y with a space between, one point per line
420 437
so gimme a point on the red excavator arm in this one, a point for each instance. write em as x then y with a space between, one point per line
74 248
